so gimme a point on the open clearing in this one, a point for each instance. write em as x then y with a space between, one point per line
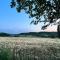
29 42
30 48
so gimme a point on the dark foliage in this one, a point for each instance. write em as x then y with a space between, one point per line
38 34
50 9
4 34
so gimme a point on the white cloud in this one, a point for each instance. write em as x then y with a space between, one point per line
37 28
52 28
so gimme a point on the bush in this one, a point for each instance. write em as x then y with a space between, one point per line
5 54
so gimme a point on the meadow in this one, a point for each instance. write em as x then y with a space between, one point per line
29 48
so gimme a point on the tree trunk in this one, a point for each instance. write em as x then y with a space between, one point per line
58 30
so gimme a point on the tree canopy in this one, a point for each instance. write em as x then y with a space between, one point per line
49 9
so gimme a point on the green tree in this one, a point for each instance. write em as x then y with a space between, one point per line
49 9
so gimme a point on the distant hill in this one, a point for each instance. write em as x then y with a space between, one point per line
4 34
39 34
35 34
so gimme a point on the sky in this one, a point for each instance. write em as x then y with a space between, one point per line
13 22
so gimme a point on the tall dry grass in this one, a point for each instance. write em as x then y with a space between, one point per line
29 48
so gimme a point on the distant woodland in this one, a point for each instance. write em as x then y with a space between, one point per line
31 34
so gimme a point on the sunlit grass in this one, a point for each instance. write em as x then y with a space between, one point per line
27 48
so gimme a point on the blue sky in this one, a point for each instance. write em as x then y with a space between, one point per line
13 22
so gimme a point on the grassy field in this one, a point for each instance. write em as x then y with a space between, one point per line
29 48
